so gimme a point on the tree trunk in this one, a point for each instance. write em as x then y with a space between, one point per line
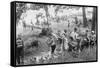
94 19
84 17
47 14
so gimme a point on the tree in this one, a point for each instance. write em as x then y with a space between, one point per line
45 7
84 17
47 14
20 8
94 19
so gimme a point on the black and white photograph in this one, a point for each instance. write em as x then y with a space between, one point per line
55 33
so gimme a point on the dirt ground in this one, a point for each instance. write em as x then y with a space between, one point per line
29 52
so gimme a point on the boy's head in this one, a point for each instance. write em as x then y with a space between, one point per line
75 29
65 30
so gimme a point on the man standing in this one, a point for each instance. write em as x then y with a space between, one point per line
51 42
19 50
74 40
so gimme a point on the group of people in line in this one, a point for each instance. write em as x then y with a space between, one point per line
70 41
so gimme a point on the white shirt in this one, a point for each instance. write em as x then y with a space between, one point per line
74 35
